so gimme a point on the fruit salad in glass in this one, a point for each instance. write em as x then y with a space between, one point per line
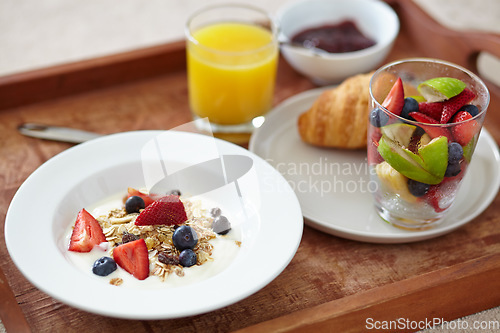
425 120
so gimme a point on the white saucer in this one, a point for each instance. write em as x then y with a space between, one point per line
346 209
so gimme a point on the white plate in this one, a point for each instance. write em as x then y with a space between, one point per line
346 209
46 204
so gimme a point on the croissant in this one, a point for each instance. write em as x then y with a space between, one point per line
339 117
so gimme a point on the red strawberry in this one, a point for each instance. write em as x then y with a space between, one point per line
463 133
451 106
433 131
133 257
86 234
372 147
168 210
438 195
372 153
433 198
133 192
432 110
395 100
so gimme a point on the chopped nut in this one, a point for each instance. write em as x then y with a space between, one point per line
116 281
151 242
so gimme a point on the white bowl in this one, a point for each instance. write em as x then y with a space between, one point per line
374 18
262 204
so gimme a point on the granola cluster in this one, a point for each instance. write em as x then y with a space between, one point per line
117 225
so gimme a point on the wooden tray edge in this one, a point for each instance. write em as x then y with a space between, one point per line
434 39
444 294
11 314
58 81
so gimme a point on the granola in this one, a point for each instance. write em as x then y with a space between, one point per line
117 224
173 239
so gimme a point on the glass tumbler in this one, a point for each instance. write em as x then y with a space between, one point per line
420 157
232 56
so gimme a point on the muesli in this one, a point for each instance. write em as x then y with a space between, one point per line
143 237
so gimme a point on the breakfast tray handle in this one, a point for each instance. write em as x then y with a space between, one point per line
436 40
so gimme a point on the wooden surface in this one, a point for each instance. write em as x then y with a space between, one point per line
332 284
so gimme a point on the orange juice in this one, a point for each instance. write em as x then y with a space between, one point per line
231 72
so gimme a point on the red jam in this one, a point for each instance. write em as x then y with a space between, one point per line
338 38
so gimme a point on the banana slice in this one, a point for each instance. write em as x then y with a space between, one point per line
394 181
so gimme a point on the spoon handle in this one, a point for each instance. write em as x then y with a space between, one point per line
56 133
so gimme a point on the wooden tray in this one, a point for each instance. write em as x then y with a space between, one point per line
332 284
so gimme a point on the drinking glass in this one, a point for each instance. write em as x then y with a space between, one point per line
232 56
412 192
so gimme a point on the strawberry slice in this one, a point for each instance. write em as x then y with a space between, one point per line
433 131
451 106
86 234
372 148
133 192
438 195
373 155
395 100
434 199
133 257
168 210
463 133
432 110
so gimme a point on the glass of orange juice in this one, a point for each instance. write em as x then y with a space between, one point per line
232 56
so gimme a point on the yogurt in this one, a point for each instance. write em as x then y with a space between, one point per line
225 249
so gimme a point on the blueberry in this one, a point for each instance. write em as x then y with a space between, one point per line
411 105
378 118
187 258
472 109
455 152
104 266
174 192
416 188
221 225
184 237
215 212
134 204
452 170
